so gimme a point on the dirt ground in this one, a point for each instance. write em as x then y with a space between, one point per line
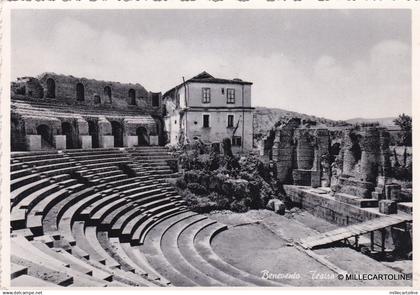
260 242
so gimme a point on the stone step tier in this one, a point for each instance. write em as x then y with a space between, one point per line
107 217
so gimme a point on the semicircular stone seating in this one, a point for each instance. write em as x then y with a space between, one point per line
107 217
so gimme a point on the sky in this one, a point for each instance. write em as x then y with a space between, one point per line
338 64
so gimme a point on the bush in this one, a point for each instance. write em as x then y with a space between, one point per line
402 173
225 182
191 176
197 188
173 165
239 206
222 201
180 183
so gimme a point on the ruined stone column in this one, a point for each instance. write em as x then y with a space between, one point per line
385 153
85 140
370 154
106 139
323 155
283 153
304 149
349 159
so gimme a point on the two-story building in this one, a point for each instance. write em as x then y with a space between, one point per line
210 109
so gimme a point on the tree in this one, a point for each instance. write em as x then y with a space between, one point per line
404 122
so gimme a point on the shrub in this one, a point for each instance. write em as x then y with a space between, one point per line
173 165
402 173
239 206
180 183
191 176
220 182
197 188
223 203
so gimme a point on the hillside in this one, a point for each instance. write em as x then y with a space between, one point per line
265 118
387 121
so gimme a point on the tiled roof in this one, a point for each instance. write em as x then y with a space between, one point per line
205 77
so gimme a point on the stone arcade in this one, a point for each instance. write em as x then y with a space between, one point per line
64 112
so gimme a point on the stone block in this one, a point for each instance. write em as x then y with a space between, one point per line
315 178
392 192
302 177
154 140
356 201
387 207
107 141
132 141
33 142
86 141
60 142
406 207
381 181
377 196
277 206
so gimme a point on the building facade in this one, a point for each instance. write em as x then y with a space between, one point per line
210 109
54 111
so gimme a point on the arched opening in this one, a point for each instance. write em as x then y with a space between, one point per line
80 92
132 96
50 88
46 138
143 136
108 93
94 132
117 132
17 135
96 99
67 130
335 149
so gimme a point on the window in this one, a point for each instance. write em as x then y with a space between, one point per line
96 99
230 95
108 93
223 91
205 95
155 99
206 121
132 96
230 121
80 92
50 88
236 141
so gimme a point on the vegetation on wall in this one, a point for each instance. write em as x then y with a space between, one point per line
224 182
405 123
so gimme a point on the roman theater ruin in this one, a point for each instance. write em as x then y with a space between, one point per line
92 202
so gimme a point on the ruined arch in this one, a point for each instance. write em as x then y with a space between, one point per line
50 88
68 131
80 92
108 93
46 135
143 136
118 133
132 96
94 132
